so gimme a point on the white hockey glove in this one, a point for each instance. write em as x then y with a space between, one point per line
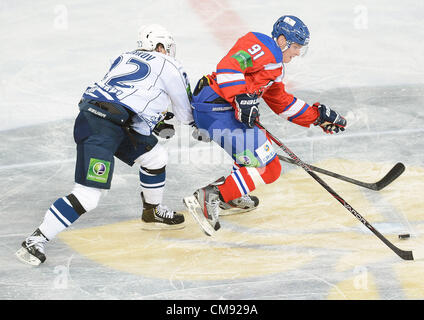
163 129
247 109
329 120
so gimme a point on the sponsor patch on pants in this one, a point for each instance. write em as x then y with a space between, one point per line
98 170
247 159
265 152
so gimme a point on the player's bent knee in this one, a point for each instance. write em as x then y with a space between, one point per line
154 159
271 171
84 198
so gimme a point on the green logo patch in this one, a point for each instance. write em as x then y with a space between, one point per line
244 59
247 158
98 170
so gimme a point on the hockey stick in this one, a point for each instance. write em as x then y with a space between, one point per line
394 173
406 255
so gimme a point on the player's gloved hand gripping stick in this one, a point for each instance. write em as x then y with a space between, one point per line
247 108
163 129
406 255
329 120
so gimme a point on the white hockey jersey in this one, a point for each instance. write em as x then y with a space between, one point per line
146 83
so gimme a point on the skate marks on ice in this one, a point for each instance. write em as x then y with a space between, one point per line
297 225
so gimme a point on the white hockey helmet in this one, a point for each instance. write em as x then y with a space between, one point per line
150 36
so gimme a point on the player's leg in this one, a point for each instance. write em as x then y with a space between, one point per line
250 149
255 160
97 140
152 159
245 203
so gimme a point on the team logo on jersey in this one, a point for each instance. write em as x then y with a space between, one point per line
98 170
244 59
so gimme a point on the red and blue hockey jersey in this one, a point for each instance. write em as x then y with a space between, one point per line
255 65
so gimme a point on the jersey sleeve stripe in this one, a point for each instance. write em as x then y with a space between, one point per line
273 66
293 109
230 84
286 108
227 71
299 113
223 78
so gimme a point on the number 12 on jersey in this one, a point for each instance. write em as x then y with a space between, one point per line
256 51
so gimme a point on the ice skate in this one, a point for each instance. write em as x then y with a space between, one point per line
32 251
204 207
240 205
160 217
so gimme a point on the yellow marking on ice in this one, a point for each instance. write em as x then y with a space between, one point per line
297 222
124 246
410 273
407 194
297 201
360 287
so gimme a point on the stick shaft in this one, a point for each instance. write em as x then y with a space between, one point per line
406 255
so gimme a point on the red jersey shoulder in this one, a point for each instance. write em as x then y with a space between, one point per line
255 50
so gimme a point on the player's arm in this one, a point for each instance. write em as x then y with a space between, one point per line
298 111
178 89
288 106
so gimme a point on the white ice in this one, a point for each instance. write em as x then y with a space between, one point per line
365 59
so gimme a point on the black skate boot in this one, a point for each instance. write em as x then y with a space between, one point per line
32 251
240 205
159 217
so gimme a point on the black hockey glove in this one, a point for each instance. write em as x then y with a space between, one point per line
199 134
329 120
163 129
247 108
168 116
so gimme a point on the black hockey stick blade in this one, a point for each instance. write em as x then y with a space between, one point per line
394 173
404 254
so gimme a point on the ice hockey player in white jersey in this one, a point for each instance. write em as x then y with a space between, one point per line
119 117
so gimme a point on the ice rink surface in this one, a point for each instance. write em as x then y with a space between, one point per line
365 60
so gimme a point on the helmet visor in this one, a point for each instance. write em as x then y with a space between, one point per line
301 49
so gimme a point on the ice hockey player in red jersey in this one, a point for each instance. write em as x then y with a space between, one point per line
226 105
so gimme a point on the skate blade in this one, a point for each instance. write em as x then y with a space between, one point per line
194 208
157 226
232 211
23 255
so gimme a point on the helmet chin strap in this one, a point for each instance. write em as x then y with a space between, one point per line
286 46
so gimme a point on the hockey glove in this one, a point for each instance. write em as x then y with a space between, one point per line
163 129
329 120
247 108
168 116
